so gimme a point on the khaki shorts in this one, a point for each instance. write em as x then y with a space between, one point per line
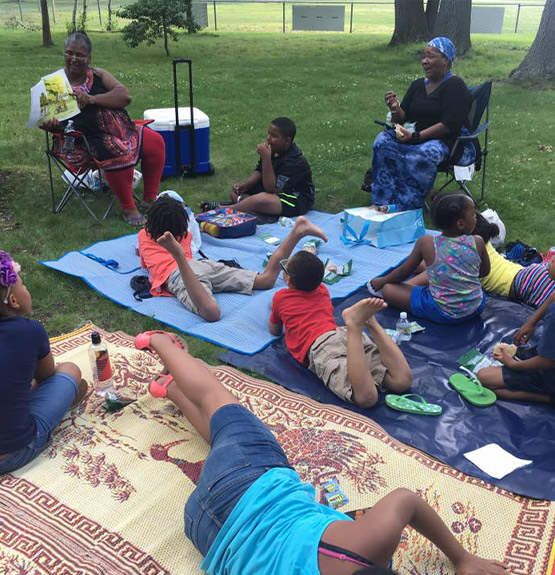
327 358
215 277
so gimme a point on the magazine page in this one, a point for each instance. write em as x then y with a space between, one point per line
52 97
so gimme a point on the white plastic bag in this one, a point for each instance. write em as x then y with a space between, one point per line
193 228
493 218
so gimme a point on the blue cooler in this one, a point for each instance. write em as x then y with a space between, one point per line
164 124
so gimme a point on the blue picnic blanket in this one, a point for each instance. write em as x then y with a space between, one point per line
109 265
524 429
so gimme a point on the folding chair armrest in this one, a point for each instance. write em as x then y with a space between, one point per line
481 128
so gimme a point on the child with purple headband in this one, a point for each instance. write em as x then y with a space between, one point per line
35 392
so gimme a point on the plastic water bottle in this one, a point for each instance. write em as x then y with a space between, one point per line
402 327
286 222
102 368
69 141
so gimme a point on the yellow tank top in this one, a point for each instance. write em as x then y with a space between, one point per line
502 273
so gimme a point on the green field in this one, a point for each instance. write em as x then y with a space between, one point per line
249 15
332 85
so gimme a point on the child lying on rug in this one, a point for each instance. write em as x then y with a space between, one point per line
530 379
449 291
35 392
531 285
344 358
165 251
250 513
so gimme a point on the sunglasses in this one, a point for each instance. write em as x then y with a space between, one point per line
72 56
283 264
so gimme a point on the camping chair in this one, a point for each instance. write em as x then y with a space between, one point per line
77 183
74 178
480 104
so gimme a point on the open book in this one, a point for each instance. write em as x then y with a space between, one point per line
52 97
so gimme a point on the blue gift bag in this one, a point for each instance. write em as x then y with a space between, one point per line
368 226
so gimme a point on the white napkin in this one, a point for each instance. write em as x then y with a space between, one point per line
495 461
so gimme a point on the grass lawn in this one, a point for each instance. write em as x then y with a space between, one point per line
332 85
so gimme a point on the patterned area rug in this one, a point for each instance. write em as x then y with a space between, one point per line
107 496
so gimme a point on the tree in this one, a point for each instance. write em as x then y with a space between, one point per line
432 7
109 26
539 64
410 22
46 34
453 21
449 18
74 16
153 18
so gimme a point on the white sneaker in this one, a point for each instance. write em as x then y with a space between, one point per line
372 291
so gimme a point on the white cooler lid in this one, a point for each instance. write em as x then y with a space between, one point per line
164 118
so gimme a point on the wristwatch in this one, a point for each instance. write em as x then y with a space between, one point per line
415 138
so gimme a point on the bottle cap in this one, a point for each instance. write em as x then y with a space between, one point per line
95 337
403 315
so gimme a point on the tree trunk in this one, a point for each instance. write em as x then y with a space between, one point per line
166 47
432 7
410 22
84 15
46 35
453 21
539 64
74 16
109 26
99 12
190 17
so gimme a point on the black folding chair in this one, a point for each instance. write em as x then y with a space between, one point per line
480 103
77 182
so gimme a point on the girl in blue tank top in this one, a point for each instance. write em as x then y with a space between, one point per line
449 289
250 514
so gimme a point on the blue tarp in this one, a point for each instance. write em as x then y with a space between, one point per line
241 314
524 429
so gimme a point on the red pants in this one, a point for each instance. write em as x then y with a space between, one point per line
152 156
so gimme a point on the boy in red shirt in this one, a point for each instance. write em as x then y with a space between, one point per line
344 358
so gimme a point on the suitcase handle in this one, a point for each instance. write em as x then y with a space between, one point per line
190 169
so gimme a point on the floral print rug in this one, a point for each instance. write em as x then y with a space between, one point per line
107 495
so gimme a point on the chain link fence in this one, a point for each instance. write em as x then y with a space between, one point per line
239 15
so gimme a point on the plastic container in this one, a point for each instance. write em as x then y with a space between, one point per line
164 124
286 222
102 368
402 327
69 141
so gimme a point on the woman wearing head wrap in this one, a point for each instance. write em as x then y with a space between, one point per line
404 163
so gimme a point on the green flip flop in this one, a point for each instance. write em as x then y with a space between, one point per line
472 390
419 407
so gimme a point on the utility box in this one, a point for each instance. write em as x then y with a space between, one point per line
164 124
326 18
487 19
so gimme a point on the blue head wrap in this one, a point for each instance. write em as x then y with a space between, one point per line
445 46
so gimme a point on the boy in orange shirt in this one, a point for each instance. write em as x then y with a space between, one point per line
165 251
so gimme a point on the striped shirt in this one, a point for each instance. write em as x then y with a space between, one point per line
532 285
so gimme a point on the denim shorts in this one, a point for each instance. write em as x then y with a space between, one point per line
422 304
242 450
542 382
49 402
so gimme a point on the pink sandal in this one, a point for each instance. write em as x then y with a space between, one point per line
142 341
159 387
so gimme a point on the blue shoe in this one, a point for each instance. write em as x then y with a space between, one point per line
515 250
